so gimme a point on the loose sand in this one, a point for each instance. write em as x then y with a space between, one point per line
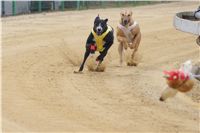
41 93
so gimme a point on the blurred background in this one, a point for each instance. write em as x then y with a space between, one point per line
11 8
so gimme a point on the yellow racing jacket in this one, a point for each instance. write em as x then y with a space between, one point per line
99 39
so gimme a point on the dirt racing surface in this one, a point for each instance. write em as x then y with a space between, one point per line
40 92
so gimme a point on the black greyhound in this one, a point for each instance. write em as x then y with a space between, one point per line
100 39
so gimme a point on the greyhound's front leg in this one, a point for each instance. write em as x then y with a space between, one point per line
87 53
120 50
123 41
134 46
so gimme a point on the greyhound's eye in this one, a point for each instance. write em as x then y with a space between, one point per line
96 23
129 15
122 14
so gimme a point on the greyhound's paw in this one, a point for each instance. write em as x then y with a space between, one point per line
125 46
132 63
120 64
161 99
131 45
100 69
78 72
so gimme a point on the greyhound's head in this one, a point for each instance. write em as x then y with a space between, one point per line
100 25
126 18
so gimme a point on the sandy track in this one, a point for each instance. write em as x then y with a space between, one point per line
41 93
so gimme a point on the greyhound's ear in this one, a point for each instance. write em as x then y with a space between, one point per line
97 18
106 20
